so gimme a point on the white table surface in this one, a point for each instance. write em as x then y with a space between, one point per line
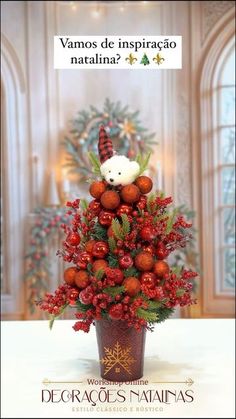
202 350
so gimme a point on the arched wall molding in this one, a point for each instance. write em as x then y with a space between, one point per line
213 56
16 180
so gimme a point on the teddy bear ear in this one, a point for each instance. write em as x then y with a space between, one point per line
134 167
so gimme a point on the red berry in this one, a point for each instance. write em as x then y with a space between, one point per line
116 311
115 275
162 252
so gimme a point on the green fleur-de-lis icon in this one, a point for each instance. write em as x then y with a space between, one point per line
131 59
158 59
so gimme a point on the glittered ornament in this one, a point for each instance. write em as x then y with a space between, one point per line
100 249
73 239
97 189
116 311
95 207
144 261
150 249
126 261
124 209
115 274
86 296
99 264
82 279
130 193
144 183
105 217
148 279
148 233
69 275
83 259
89 245
132 286
110 200
161 268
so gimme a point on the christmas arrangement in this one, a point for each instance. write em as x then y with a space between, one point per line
118 246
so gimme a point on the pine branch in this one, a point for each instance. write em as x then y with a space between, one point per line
99 232
99 274
131 272
164 313
84 204
143 161
117 230
113 291
112 244
113 261
149 316
170 221
83 307
154 305
180 292
95 163
125 225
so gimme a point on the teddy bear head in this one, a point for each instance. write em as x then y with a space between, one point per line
119 170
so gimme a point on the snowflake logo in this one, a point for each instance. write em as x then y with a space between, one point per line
117 357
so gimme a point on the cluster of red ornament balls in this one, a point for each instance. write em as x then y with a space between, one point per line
147 239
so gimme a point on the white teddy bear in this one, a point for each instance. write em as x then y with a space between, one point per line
119 170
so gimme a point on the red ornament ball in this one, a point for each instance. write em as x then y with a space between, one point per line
69 275
148 279
89 245
83 260
126 261
110 200
124 209
115 275
73 239
144 183
150 249
144 261
95 207
82 279
130 193
148 233
132 286
97 189
105 217
116 311
161 268
100 249
99 264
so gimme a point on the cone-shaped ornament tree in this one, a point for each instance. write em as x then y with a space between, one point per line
117 248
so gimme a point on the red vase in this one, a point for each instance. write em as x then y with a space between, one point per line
121 350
